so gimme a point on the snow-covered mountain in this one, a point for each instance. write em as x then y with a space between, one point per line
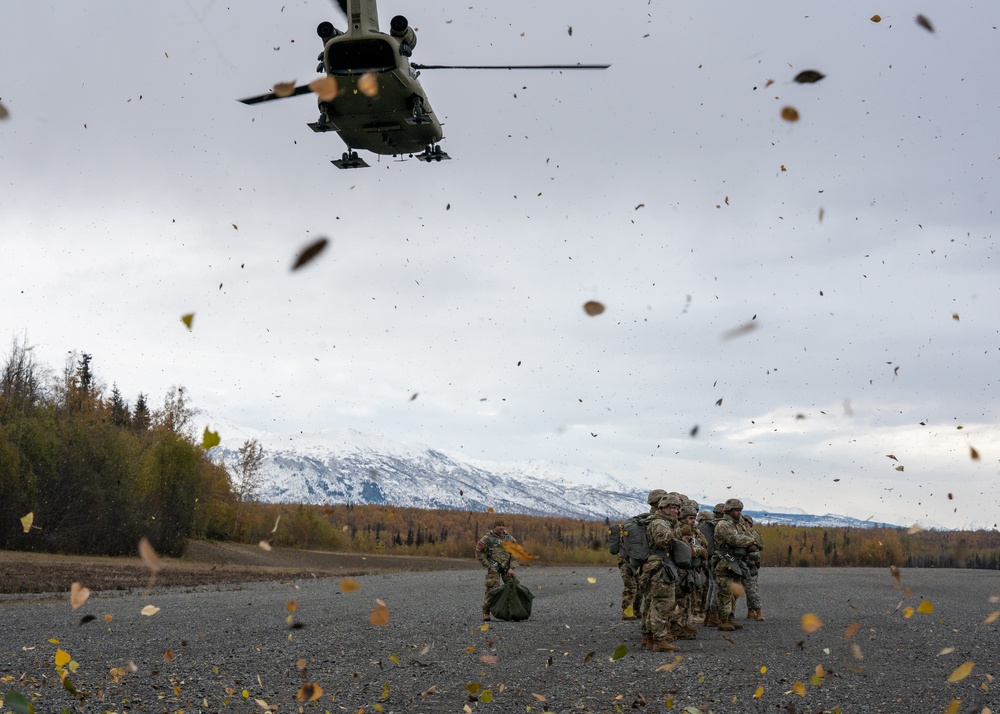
346 466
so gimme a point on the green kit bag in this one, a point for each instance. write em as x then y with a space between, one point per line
511 601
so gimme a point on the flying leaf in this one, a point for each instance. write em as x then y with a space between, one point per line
539 697
946 651
489 659
168 656
379 616
516 550
78 595
149 557
851 629
473 687
27 520
325 88
349 585
310 692
210 439
899 468
759 693
429 691
973 453
925 607
799 688
593 308
809 76
896 580
961 672
150 610
591 580
992 617
188 319
741 330
284 89
291 606
954 706
876 18
3 112
368 84
62 658
925 23
310 252
486 697
811 623
790 114
620 651
856 651
264 545
908 612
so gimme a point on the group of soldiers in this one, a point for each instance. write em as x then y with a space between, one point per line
725 562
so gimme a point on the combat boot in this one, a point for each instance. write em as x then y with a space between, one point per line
758 615
732 621
663 645
712 619
726 626
692 630
682 634
647 641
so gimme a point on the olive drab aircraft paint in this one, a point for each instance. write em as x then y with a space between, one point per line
375 101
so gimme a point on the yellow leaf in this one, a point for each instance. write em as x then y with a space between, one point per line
53 641
349 585
486 697
325 88
592 581
310 692
473 687
763 670
851 629
819 671
108 617
485 626
925 607
961 672
992 617
946 651
799 688
908 612
149 610
394 659
629 611
187 319
27 520
210 439
379 616
149 556
759 693
516 550
291 606
811 623
62 658
953 706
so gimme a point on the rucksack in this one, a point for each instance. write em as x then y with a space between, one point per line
633 541
614 537
708 530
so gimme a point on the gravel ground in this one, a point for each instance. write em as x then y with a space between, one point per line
208 644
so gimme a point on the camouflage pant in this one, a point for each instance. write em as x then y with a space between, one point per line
753 598
493 580
630 586
711 595
658 607
727 599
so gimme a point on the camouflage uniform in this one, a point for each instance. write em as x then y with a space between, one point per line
730 533
661 532
497 561
701 593
688 602
712 591
642 595
754 605
630 588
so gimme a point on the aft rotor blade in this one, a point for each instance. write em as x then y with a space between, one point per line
509 66
271 96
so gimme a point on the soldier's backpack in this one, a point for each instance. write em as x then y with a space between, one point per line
614 537
708 530
511 601
633 541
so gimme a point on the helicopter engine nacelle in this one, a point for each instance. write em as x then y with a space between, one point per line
326 30
400 28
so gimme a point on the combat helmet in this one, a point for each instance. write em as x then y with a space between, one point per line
670 499
719 510
705 516
690 508
655 495
733 504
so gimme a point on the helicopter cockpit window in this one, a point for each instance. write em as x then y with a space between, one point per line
360 56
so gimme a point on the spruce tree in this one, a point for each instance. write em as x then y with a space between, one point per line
140 415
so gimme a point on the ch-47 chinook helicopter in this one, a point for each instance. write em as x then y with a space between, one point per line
375 102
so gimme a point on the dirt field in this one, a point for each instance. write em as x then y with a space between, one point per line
203 564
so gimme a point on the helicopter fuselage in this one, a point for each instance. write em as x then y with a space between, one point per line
379 106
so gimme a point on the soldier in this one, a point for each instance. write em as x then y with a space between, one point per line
707 528
701 598
754 605
659 575
733 542
642 596
691 580
497 561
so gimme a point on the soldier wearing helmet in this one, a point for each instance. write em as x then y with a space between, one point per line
691 588
497 561
755 609
658 577
733 542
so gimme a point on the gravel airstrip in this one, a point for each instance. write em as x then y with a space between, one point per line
221 648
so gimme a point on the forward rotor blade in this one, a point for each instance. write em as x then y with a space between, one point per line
271 96
415 65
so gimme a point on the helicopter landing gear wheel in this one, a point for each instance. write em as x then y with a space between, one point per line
433 152
350 160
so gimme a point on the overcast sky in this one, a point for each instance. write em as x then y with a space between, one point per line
859 241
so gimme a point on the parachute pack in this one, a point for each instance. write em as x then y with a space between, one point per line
633 541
